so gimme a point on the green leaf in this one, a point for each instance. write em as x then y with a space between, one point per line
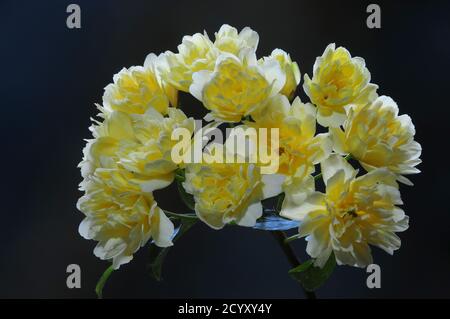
102 281
187 198
158 254
179 175
312 277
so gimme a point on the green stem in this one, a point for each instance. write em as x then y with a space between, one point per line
291 238
102 281
179 175
187 199
280 237
185 216
348 157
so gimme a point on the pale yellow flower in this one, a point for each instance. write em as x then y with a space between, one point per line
300 147
378 137
289 67
237 87
121 219
128 158
355 212
138 88
229 40
137 147
195 53
338 81
229 192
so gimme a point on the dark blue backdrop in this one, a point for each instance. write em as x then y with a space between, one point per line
51 76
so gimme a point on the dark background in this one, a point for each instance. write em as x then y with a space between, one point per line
51 76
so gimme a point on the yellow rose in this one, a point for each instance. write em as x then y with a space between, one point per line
289 68
228 39
300 147
195 53
136 147
378 137
121 220
136 89
338 81
229 192
128 158
237 87
101 151
355 212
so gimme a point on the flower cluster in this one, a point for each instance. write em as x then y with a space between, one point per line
130 154
127 159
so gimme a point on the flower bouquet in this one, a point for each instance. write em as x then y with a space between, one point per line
271 171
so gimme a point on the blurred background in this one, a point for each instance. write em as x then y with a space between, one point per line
52 76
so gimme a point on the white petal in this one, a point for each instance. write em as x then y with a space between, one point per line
121 260
322 259
164 231
248 56
250 37
318 241
338 139
272 184
313 202
273 73
199 80
150 60
85 228
109 249
335 163
404 180
254 211
156 183
154 114
328 50
388 102
228 56
335 119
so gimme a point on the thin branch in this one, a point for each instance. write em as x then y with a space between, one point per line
280 237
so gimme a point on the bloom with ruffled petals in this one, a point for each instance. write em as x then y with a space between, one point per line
355 212
137 147
138 88
378 137
338 81
237 87
195 53
121 219
300 147
229 192
289 67
229 40
128 158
